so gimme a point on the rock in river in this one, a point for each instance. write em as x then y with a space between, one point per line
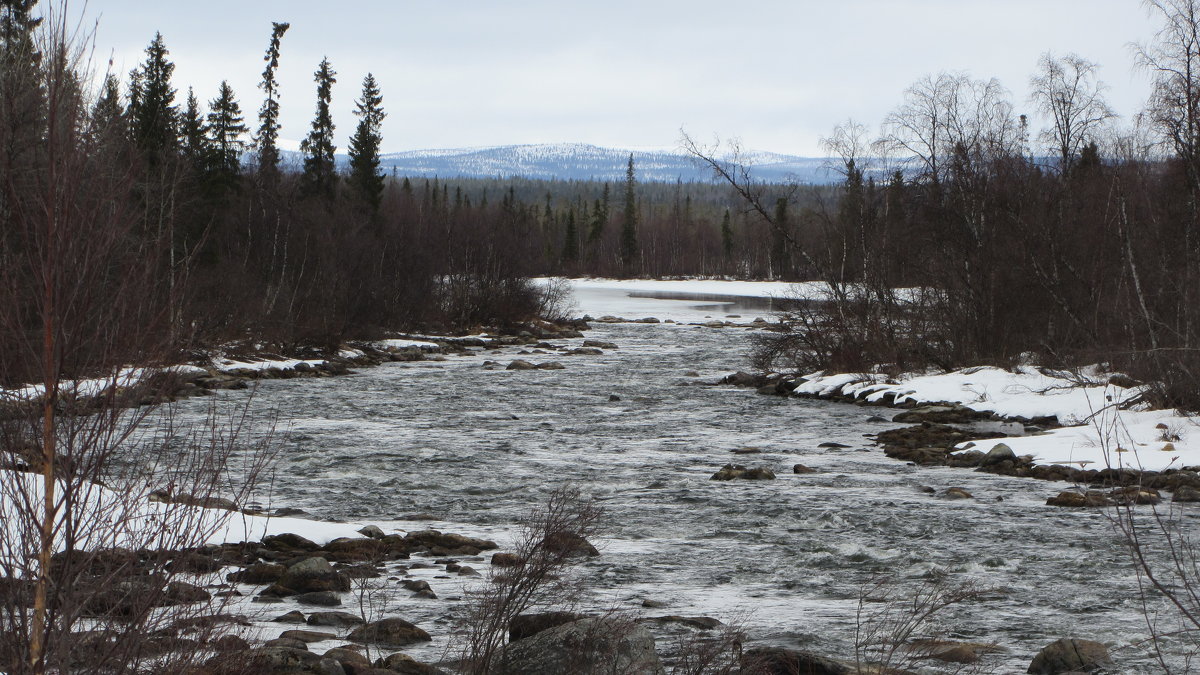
392 632
313 574
1068 655
732 471
1074 498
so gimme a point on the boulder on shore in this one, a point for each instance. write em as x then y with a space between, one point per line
781 661
522 626
1077 499
583 647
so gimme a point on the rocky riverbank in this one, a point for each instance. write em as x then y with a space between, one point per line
338 609
944 433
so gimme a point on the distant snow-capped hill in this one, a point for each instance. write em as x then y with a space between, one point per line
580 161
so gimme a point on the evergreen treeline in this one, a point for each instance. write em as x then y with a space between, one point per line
231 243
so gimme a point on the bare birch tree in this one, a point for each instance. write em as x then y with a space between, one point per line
1065 89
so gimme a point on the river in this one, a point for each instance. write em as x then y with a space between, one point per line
475 447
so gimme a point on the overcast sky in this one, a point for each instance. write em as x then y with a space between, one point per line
620 73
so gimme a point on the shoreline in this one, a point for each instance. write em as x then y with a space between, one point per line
944 432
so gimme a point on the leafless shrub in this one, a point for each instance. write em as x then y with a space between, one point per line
717 652
851 329
895 620
1167 562
555 299
535 579
92 571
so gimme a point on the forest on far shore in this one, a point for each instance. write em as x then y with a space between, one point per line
140 202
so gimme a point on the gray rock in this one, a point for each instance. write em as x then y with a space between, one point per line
520 364
259 573
1076 499
313 574
999 453
307 636
348 657
404 664
280 658
781 661
527 625
289 542
1066 655
701 622
183 593
389 632
334 619
372 531
570 543
290 643
1186 493
584 647
293 616
320 598
736 471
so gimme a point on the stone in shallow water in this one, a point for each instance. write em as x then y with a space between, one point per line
1069 655
392 632
737 471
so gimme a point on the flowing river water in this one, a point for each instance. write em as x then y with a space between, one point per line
474 448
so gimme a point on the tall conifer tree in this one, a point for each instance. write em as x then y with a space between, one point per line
365 178
194 133
570 251
267 138
727 237
599 217
781 259
629 242
107 122
318 148
226 126
152 110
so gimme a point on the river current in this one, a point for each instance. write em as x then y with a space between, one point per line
474 447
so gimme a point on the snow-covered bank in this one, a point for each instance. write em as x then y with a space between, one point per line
1100 431
107 518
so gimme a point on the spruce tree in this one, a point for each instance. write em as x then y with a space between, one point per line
318 148
365 178
20 88
599 217
629 243
781 263
21 106
727 237
194 134
152 110
226 127
570 251
107 121
266 140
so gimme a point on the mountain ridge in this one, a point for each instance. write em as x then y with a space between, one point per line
583 161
